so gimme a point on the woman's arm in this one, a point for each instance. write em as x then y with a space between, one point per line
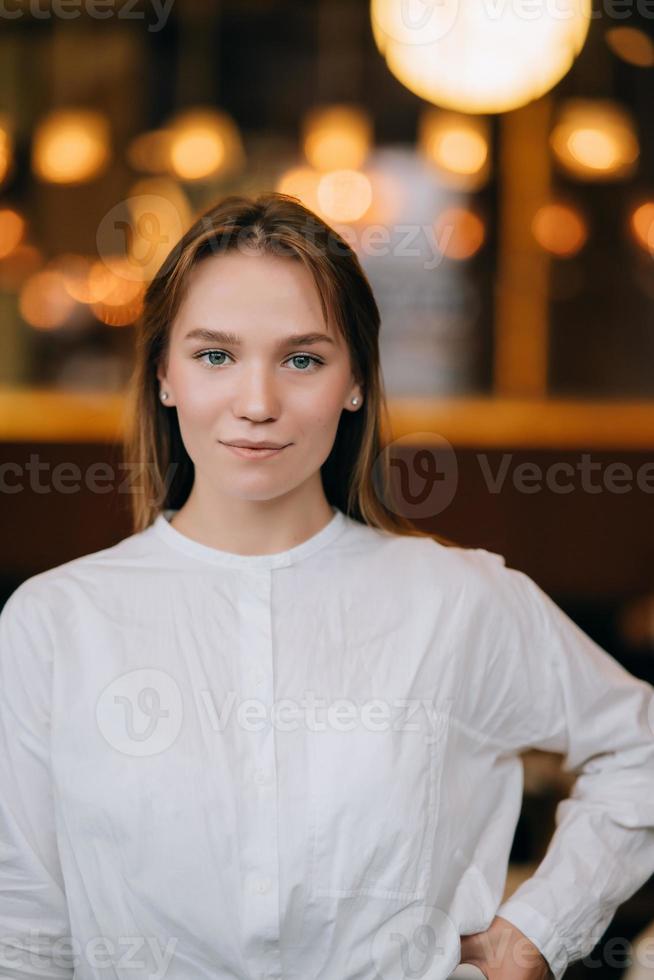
558 690
34 924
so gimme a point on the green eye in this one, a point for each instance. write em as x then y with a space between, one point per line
211 354
309 362
306 357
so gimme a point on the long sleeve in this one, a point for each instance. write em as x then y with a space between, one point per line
34 923
556 689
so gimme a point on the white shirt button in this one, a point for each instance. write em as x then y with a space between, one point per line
262 885
260 776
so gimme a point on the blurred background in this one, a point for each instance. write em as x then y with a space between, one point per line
492 164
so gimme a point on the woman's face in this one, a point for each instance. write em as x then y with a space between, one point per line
251 358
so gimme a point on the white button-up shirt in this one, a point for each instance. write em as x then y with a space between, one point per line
303 765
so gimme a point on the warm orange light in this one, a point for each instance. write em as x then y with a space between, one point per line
594 148
337 137
117 298
121 315
462 152
44 302
632 45
6 146
458 145
559 229
642 226
75 271
459 233
595 140
111 281
344 195
12 229
477 57
159 214
198 153
301 182
204 142
71 146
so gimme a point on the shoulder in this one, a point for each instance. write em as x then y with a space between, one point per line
474 578
425 554
48 593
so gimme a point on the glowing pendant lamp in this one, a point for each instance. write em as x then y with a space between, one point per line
479 56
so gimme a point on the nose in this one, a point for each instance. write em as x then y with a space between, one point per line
256 396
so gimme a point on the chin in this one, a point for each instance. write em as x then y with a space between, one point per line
257 493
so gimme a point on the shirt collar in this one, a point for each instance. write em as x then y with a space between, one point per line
279 559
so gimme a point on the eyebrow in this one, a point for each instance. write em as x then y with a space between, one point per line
231 339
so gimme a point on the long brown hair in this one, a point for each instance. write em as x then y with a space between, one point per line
355 475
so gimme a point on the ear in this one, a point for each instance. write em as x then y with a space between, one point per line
162 370
163 386
355 393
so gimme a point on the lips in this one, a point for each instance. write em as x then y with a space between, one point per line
249 452
256 445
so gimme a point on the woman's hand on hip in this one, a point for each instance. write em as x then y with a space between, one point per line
502 952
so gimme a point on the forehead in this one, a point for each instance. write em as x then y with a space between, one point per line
245 288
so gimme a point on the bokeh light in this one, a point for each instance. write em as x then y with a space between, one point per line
160 212
337 137
12 229
71 146
457 145
641 222
44 302
595 140
204 142
75 271
463 56
559 229
632 45
301 182
344 195
459 232
6 146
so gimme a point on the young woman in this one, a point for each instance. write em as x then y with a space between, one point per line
275 732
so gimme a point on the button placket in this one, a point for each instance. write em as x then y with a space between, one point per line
260 846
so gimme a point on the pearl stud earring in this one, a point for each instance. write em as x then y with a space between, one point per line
164 396
355 401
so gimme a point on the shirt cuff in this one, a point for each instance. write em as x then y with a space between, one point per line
539 930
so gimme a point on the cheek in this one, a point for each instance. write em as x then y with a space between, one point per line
321 404
197 397
319 416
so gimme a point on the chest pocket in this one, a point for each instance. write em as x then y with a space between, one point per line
374 802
